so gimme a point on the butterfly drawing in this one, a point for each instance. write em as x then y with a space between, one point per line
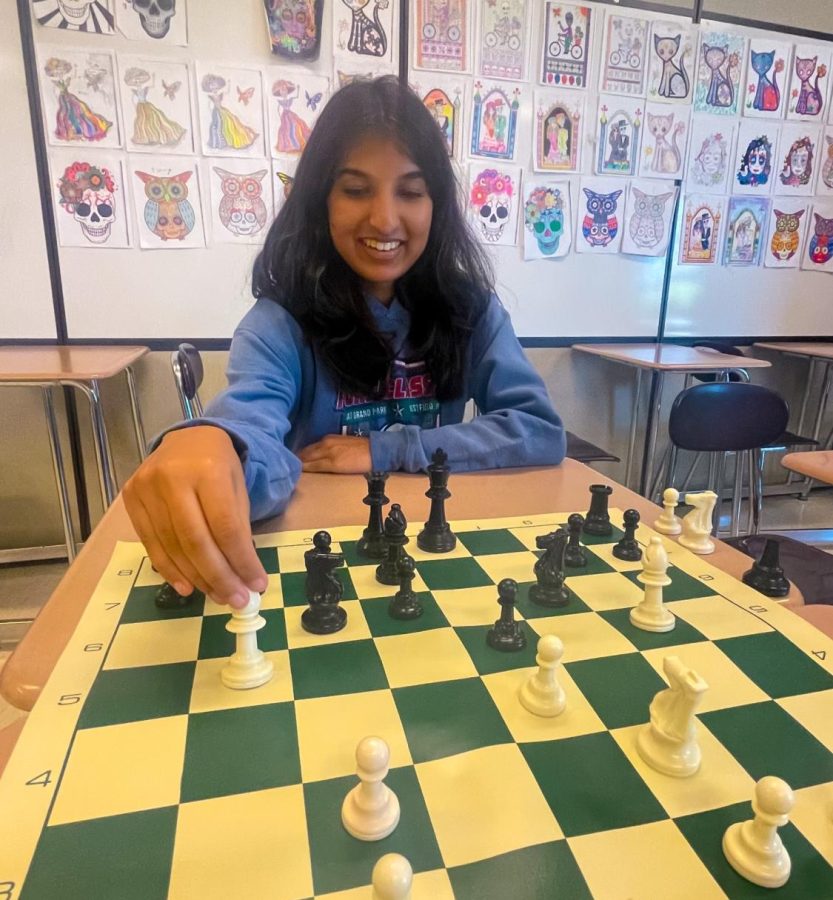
171 89
314 99
245 96
287 182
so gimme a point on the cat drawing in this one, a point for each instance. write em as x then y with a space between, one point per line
600 225
721 90
784 242
809 96
767 94
168 212
827 169
667 157
367 36
646 225
821 244
674 83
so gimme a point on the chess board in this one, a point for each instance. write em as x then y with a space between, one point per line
139 775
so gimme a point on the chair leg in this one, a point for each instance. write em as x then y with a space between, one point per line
690 474
661 476
738 493
758 481
719 469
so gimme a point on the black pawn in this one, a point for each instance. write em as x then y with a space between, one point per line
167 598
627 548
372 542
387 572
323 587
506 634
437 536
575 556
597 520
405 603
766 575
549 570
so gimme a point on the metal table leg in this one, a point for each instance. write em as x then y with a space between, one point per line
60 472
137 413
652 429
101 443
632 437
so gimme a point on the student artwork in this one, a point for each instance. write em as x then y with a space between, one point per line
649 212
362 28
824 184
818 249
624 55
701 223
559 131
567 36
349 72
620 121
671 61
446 107
494 121
664 141
755 157
787 222
502 39
156 100
89 16
167 203
493 203
230 111
79 98
809 82
295 100
241 200
294 27
283 176
766 78
546 219
161 21
90 204
745 224
709 155
600 209
717 85
441 35
797 160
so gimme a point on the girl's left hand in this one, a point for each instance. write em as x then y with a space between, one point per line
346 454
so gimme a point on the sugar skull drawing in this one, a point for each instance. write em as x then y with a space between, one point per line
168 212
242 210
491 198
155 16
87 193
600 225
544 218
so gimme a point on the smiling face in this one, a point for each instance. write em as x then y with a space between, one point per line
379 213
757 160
800 158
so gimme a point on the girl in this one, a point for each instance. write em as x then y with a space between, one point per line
375 323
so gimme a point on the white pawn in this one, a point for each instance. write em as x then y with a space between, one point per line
370 810
668 523
754 848
392 878
651 614
697 525
541 693
248 666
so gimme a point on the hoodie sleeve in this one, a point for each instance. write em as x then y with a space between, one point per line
517 425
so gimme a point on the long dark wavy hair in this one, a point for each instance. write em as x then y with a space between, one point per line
445 291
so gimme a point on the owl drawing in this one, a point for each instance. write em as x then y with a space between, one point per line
168 212
784 241
821 244
600 225
646 226
242 210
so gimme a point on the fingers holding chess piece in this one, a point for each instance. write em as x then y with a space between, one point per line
248 667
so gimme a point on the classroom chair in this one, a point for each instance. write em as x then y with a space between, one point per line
584 451
186 363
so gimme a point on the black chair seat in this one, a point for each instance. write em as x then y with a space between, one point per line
584 451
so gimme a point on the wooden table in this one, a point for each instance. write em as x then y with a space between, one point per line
82 368
659 359
817 464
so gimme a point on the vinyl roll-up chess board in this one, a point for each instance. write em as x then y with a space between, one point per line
140 775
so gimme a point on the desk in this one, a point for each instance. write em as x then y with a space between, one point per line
659 359
81 368
817 464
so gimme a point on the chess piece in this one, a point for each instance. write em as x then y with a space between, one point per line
323 587
437 536
651 614
387 572
168 598
766 574
697 525
754 848
627 548
575 556
370 810
372 542
668 523
405 603
597 520
669 742
549 570
248 667
392 878
541 693
506 633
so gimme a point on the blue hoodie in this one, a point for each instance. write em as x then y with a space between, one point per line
280 398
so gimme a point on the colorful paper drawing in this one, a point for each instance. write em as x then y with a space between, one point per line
787 223
446 107
620 123
160 21
230 103
767 69
294 27
756 162
547 219
719 60
156 100
601 207
559 132
283 176
567 44
701 226
86 16
362 29
664 141
649 211
494 196
671 61
349 72
710 154
818 250
796 162
501 43
624 55
494 121
824 184
295 100
809 83
166 199
441 35
746 220
241 200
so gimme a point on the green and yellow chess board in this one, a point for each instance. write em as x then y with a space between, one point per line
139 775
